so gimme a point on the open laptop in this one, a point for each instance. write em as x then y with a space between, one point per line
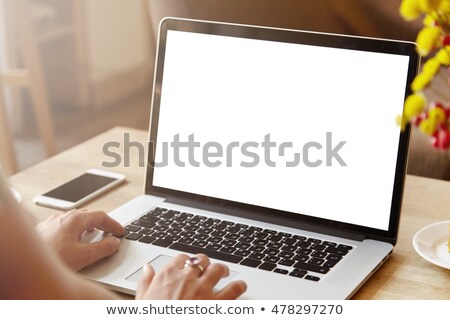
273 151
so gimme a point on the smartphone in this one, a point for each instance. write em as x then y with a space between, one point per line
80 190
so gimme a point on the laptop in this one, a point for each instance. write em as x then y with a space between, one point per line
273 151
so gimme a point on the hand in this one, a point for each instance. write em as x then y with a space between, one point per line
176 282
63 233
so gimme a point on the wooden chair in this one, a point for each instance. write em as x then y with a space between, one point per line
30 77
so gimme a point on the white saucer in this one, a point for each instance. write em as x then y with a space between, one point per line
16 195
431 243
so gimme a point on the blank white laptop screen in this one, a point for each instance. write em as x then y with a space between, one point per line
231 93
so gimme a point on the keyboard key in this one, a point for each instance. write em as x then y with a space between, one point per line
318 247
257 255
200 243
228 249
257 248
333 256
304 244
281 271
260 242
146 232
242 252
275 245
172 237
290 248
260 235
256 229
160 228
314 240
214 239
187 234
134 236
311 267
270 231
233 229
210 253
267 266
174 230
272 252
246 232
284 234
338 251
165 222
168 215
149 219
162 243
250 263
246 239
144 224
191 227
272 259
220 227
205 230
319 254
241 226
304 251
201 236
312 278
242 245
345 247
329 243
286 254
232 236
178 225
228 243
219 233
132 228
316 261
214 246
147 239
207 223
228 223
301 258
299 238
186 240
286 262
275 238
288 241
298 273
159 234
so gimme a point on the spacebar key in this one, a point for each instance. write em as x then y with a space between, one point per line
210 253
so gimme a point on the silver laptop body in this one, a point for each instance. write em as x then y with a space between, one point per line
315 170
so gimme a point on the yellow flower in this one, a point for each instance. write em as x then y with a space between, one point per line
431 66
421 81
429 20
437 115
409 9
402 122
428 5
427 39
445 6
428 126
414 106
443 56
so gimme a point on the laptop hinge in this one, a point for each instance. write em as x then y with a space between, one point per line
268 219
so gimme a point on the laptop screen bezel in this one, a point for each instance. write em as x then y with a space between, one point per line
290 36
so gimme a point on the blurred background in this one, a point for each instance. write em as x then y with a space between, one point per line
71 69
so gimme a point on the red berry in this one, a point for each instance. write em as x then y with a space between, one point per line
446 41
444 139
434 140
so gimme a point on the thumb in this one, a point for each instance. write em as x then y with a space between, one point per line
92 252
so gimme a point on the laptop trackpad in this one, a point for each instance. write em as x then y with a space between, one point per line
160 261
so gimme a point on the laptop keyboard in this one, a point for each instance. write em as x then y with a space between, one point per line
251 246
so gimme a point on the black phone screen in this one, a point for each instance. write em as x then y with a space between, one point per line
80 187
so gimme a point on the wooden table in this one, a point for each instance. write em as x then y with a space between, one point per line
404 276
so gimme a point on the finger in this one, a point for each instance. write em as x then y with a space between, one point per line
92 252
199 269
146 280
178 261
213 274
232 291
100 220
